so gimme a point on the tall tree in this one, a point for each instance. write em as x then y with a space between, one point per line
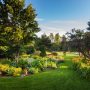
87 40
51 36
17 25
57 38
64 44
43 43
80 41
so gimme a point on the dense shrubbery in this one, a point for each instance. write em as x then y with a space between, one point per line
34 64
43 63
83 68
33 70
51 65
5 69
43 51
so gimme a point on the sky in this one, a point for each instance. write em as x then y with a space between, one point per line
60 16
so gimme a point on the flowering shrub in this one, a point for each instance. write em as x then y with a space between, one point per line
82 68
4 68
43 62
77 59
32 65
17 71
33 70
23 64
51 64
10 70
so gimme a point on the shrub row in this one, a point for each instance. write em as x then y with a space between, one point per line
32 65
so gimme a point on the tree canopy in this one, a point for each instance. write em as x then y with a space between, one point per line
17 25
79 40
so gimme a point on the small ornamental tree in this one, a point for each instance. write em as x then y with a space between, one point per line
17 26
43 50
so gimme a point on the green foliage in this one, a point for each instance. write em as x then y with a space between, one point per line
51 64
51 36
7 70
36 64
23 64
33 70
79 40
5 61
43 63
43 51
83 69
32 65
64 46
43 43
57 38
17 26
55 42
39 63
31 50
62 78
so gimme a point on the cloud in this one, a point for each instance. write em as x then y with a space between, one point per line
61 27
39 19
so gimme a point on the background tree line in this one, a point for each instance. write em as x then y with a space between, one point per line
18 28
79 40
52 43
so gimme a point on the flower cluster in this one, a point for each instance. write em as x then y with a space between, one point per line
5 69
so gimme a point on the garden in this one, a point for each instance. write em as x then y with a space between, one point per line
26 66
47 62
62 77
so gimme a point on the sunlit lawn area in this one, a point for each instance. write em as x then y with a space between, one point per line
63 78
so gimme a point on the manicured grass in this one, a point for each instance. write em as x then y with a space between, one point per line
63 78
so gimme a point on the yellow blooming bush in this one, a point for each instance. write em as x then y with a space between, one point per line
32 65
51 64
17 71
81 67
5 69
77 59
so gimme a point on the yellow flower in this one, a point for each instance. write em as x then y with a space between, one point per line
17 71
4 67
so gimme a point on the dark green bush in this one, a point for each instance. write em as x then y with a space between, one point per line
38 64
31 50
43 51
23 64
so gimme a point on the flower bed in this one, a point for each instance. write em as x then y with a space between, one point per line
6 70
32 65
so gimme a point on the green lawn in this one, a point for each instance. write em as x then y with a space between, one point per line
63 78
